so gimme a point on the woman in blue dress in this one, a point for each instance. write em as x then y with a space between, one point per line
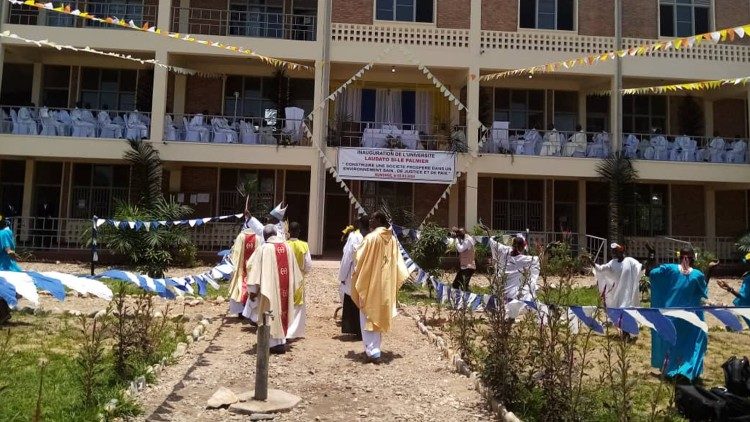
678 286
8 262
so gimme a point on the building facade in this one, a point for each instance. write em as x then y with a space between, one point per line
216 128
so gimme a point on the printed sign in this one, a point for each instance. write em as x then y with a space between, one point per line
397 165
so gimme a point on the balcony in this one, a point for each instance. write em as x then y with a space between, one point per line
198 128
400 136
139 13
649 147
76 123
299 27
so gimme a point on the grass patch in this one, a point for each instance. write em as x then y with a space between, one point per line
411 294
583 296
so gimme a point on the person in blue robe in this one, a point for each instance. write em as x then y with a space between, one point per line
7 261
741 297
676 286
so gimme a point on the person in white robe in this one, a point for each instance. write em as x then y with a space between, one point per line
274 270
276 218
245 245
576 147
521 270
618 280
350 313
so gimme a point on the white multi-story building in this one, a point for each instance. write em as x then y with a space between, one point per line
57 179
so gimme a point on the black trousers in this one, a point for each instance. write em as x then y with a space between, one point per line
462 279
350 318
4 311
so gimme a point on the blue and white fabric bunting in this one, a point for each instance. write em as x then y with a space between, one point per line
586 318
8 293
655 320
727 318
623 320
23 284
150 225
42 282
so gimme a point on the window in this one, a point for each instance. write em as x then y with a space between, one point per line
641 113
112 88
524 109
17 81
647 214
547 14
404 10
56 80
597 113
229 199
370 105
256 18
518 204
683 18
255 95
97 188
126 10
11 186
566 110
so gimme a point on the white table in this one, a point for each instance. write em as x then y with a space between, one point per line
376 138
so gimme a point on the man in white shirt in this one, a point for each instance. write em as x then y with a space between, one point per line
465 247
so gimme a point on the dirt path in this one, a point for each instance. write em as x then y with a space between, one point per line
326 370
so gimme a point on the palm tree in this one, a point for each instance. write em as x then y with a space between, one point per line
618 172
150 251
743 244
248 188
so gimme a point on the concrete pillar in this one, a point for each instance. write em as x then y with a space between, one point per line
159 98
472 199
28 196
453 206
710 218
582 109
581 212
36 84
184 25
472 123
163 17
708 117
180 91
2 48
615 109
175 179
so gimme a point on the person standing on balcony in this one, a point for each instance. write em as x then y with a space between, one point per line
465 247
301 251
578 144
8 262
378 275
676 286
350 312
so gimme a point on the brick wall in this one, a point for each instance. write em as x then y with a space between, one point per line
499 15
425 196
484 202
730 117
640 19
731 13
688 210
596 17
453 14
200 180
730 213
352 11
203 94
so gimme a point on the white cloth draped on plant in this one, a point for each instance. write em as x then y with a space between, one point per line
388 106
423 112
349 103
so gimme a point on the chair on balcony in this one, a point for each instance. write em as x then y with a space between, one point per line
136 129
532 143
223 133
23 123
630 146
576 145
170 130
82 128
658 149
552 143
717 150
683 149
64 117
293 123
248 135
599 148
196 130
107 128
50 125
498 138
738 152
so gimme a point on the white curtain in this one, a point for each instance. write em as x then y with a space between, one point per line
350 103
423 112
388 106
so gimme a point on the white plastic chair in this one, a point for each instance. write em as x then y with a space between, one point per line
738 152
135 127
170 130
81 127
683 149
293 123
551 145
660 147
196 130
222 132
107 128
247 133
717 150
630 146
26 123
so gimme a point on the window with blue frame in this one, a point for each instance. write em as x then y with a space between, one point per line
405 10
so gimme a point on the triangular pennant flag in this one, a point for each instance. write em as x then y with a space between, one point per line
727 318
623 320
686 316
590 322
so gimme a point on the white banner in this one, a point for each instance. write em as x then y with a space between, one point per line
397 165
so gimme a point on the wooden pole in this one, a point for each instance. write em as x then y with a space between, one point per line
261 367
94 255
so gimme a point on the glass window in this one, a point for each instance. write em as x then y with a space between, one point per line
404 10
597 113
517 204
97 188
647 213
115 89
547 14
641 113
522 108
55 80
683 18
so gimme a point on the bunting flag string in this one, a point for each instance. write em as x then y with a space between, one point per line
148 225
68 9
691 86
627 319
722 35
51 44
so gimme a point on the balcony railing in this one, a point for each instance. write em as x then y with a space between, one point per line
389 135
77 123
426 36
195 20
577 45
598 145
236 130
139 13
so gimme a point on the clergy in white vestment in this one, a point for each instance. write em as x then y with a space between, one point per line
245 245
274 270
350 313
618 280
521 270
275 217
301 251
378 275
